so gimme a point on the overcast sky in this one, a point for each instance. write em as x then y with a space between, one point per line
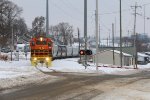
71 11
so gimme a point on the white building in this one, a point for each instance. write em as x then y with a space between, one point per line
106 57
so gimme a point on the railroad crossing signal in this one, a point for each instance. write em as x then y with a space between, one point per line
85 52
88 52
82 52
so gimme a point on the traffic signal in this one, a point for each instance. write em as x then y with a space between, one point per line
87 52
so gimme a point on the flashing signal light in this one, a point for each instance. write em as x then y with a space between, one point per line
82 52
87 52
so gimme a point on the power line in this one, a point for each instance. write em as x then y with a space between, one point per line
115 12
105 26
70 5
146 4
66 13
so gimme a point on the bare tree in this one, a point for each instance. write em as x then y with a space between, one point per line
38 25
8 13
63 32
19 28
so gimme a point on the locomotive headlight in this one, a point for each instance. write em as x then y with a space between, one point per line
35 59
41 39
47 59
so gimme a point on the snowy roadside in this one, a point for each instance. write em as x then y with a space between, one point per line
18 73
72 65
26 80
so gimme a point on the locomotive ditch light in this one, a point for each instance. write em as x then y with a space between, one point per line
47 59
35 59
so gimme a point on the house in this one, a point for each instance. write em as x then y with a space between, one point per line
106 57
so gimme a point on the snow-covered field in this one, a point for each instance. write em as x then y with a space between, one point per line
20 72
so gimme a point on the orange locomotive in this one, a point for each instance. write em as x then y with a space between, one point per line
41 51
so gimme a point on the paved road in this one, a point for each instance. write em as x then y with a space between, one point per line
74 86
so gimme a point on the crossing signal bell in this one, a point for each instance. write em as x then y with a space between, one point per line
85 52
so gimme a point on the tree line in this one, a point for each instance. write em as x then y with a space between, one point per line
12 22
62 32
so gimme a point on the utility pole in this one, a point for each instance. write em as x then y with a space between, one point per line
47 18
144 19
96 24
128 37
113 44
107 41
99 36
109 38
12 41
115 26
85 30
135 37
79 41
120 34
79 37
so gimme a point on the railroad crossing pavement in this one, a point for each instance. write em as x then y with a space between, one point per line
85 87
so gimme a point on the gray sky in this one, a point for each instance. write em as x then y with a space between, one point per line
71 11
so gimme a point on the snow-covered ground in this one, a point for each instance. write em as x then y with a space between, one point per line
21 72
11 69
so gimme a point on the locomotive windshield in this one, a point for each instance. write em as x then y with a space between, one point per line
49 44
41 43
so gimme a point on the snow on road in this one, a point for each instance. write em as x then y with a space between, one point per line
21 72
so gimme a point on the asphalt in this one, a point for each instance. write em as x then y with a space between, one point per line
74 86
